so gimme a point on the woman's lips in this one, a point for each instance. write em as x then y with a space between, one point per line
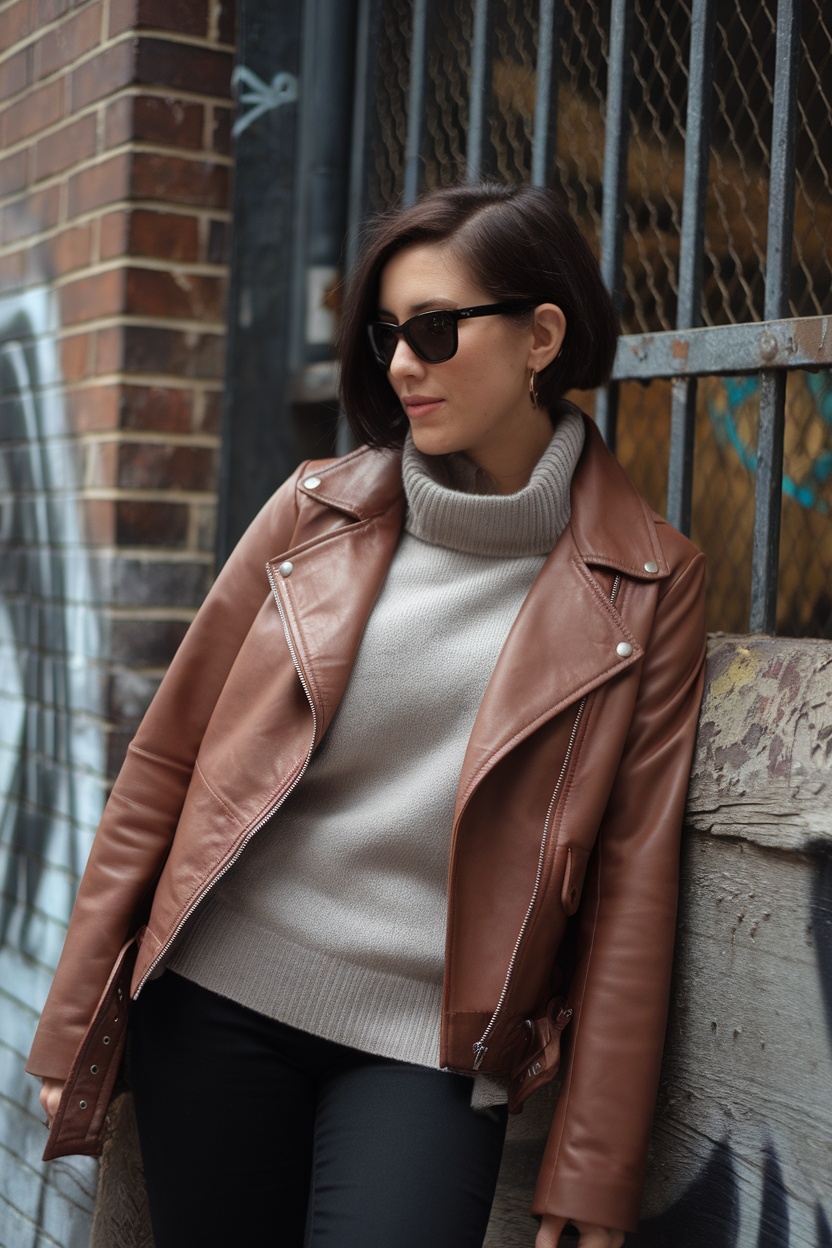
418 405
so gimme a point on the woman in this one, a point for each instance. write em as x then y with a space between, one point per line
406 808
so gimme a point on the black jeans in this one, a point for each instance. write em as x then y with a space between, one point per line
259 1135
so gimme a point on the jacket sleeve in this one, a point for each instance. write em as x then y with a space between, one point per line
595 1156
140 818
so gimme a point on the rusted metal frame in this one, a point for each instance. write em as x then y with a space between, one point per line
769 488
414 143
689 310
616 143
796 342
482 56
544 139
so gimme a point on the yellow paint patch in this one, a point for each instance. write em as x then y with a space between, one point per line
742 671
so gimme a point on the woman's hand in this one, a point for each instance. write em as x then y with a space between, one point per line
590 1236
49 1097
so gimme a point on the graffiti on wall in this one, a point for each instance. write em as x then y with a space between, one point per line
52 745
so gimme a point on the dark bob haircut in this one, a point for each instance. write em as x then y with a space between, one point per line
517 242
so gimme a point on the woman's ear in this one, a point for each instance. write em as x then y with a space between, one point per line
548 333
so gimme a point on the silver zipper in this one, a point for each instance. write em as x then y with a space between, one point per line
272 810
481 1047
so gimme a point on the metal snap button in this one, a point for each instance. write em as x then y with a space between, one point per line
105 1039
286 569
93 1070
651 566
311 483
624 649
83 1104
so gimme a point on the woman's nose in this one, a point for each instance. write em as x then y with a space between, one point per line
405 361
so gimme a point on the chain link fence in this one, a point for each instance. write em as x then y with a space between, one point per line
735 237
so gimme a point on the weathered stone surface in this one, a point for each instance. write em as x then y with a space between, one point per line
763 765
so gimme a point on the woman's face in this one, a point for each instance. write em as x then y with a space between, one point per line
477 402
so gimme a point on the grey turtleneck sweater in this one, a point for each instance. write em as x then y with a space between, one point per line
333 920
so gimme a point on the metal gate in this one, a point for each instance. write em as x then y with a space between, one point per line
693 143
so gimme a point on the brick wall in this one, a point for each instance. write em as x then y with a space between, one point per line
115 167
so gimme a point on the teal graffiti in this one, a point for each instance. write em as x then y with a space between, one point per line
809 491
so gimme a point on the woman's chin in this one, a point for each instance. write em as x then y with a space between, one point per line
433 441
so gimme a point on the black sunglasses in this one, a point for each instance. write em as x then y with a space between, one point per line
433 336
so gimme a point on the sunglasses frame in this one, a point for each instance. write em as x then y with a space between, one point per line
454 314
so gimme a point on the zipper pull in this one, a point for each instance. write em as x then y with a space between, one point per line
480 1051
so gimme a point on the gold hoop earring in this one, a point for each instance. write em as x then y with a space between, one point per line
533 388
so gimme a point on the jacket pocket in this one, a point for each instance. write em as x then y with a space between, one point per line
542 1060
577 860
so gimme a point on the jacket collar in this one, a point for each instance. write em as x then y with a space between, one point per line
363 484
611 526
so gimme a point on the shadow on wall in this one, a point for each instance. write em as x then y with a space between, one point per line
52 744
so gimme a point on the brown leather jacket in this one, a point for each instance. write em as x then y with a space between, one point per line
570 803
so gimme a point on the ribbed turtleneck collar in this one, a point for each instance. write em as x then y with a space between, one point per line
448 503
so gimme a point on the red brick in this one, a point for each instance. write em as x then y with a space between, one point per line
12 270
76 356
14 73
104 74
177 180
151 292
37 110
13 173
187 17
209 418
61 46
99 184
162 63
38 211
118 121
123 16
109 350
90 298
71 249
151 524
156 349
112 238
15 24
221 122
65 147
160 466
47 11
93 409
155 408
152 119
164 235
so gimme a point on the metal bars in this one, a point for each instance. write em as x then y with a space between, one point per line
544 140
481 59
416 102
765 553
616 140
629 92
697 151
